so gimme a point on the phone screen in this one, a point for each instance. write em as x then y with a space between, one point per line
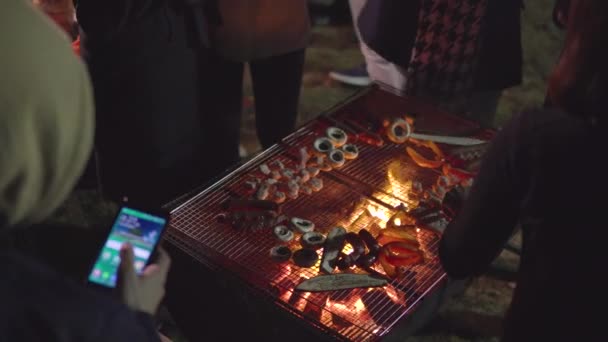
141 230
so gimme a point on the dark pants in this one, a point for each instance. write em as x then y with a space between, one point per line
276 86
167 120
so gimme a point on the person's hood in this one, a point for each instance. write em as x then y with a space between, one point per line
46 115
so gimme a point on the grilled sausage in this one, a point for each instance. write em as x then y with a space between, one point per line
358 245
373 246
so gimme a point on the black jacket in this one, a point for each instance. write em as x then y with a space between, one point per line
37 304
544 171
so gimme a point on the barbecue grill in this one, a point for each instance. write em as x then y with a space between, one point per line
365 193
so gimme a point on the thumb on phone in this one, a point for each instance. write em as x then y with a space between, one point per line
127 276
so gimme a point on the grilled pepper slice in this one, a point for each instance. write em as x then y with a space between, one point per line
436 162
396 257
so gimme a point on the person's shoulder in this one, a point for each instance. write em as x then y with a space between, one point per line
545 121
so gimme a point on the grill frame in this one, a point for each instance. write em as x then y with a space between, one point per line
346 178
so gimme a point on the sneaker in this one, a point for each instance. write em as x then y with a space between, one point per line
356 76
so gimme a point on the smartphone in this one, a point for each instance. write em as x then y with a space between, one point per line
142 228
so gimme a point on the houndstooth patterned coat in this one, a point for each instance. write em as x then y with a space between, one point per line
446 48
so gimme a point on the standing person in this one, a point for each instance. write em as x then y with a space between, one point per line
271 37
559 292
396 38
393 24
500 62
47 123
161 98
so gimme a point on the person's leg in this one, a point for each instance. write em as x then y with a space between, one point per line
379 69
220 111
276 86
483 105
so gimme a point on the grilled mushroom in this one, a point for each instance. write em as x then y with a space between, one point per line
337 136
336 158
301 225
280 253
314 240
350 151
283 233
322 146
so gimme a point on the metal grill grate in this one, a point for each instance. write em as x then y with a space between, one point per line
362 194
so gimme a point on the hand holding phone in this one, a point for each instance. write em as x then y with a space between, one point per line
125 257
142 292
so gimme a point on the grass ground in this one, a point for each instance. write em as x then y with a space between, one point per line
473 316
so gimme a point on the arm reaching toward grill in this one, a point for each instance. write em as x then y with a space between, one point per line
489 214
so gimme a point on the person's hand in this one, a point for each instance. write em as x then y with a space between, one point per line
453 200
142 292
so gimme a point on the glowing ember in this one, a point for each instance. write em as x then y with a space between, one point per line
346 309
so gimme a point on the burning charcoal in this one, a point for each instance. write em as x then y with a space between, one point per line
380 306
278 164
275 174
305 175
316 184
313 171
265 169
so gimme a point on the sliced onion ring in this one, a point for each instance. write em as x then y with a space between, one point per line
280 253
398 131
314 240
337 136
